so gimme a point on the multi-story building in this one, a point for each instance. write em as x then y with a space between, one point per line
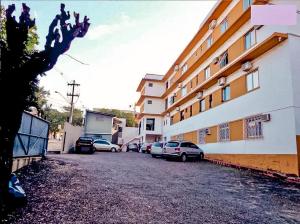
234 90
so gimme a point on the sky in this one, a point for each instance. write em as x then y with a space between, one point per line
126 40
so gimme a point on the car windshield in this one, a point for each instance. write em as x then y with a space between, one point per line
172 144
157 144
85 139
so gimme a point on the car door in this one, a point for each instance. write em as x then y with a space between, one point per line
194 149
184 147
106 145
101 145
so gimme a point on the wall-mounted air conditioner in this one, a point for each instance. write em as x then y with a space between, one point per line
222 81
176 68
247 66
212 24
200 95
179 85
216 60
265 117
177 108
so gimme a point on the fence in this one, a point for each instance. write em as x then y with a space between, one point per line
32 137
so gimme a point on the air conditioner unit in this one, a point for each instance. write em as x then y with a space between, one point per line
216 60
247 66
174 94
200 95
222 81
177 108
176 68
265 117
179 85
207 131
212 24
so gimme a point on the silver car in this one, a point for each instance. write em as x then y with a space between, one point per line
157 149
182 150
104 145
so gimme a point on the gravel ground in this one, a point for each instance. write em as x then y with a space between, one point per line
135 188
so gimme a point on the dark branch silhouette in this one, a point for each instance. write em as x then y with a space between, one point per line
20 71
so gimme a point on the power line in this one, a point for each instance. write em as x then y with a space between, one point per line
75 59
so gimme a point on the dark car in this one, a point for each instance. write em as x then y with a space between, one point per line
132 147
84 144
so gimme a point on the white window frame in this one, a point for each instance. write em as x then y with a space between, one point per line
252 35
224 59
224 25
209 41
183 91
202 105
207 72
201 136
253 127
252 80
227 97
184 68
224 132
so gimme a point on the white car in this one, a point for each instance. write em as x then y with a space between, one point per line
182 150
157 149
104 145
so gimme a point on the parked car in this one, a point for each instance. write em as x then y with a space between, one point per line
157 149
84 144
104 145
132 147
182 150
146 147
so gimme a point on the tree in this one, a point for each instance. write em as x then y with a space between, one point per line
129 116
19 73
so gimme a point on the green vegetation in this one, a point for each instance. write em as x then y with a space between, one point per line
129 116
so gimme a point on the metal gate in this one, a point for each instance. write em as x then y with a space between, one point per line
32 137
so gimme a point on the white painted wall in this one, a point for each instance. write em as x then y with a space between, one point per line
156 107
72 133
157 88
97 123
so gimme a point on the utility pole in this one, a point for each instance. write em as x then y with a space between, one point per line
72 95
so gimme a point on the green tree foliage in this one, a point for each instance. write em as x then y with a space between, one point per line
129 116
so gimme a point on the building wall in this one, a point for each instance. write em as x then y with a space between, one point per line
157 88
156 107
98 124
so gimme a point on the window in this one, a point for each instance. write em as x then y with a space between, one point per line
202 105
183 91
181 115
224 25
172 144
192 145
209 41
226 93
197 80
184 144
207 72
167 85
102 142
150 84
224 134
150 124
171 120
247 3
250 39
252 81
172 100
253 127
210 99
191 110
191 84
201 136
149 101
223 59
184 68
166 103
140 124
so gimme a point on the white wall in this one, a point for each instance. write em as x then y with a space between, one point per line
128 133
156 107
98 124
157 88
72 133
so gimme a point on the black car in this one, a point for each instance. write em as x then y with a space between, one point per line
132 147
85 144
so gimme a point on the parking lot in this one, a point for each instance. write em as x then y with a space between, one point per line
136 188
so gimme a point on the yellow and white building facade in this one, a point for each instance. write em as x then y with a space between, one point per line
234 91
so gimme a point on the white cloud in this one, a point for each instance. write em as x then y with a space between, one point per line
108 29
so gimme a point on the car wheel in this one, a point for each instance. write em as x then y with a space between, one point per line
92 150
113 149
153 156
183 158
